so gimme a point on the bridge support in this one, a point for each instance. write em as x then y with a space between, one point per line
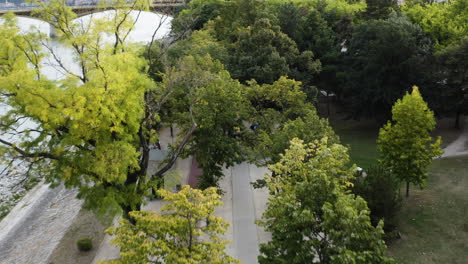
52 31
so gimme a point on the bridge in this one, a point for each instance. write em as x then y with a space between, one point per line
84 7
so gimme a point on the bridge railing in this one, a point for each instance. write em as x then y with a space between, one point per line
9 6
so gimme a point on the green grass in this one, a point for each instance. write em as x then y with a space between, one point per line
434 221
360 137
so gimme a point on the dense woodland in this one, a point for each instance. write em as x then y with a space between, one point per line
240 80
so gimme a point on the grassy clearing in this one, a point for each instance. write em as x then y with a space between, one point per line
360 137
434 221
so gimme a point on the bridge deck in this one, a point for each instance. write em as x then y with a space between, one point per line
79 9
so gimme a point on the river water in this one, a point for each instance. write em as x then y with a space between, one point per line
37 223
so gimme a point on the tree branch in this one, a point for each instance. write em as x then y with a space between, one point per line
26 154
176 153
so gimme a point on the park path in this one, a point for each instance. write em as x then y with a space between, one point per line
245 229
458 147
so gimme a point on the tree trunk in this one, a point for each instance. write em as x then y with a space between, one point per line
457 119
407 189
126 213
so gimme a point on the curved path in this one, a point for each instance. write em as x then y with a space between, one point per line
457 147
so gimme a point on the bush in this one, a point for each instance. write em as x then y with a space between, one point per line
85 244
380 188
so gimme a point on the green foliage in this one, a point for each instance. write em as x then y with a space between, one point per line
200 43
445 22
384 58
380 9
310 214
454 72
84 244
205 94
186 231
405 144
309 127
380 188
89 126
281 113
262 52
198 13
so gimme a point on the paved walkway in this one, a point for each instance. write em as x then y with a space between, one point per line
458 147
245 229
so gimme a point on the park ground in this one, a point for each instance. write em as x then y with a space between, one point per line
433 221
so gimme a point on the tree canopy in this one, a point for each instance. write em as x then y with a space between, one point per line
405 143
311 216
185 232
383 59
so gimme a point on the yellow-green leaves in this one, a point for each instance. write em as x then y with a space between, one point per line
405 143
87 124
446 22
185 232
310 214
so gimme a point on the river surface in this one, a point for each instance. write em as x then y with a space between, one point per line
37 223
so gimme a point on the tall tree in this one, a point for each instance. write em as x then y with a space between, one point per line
196 14
264 53
380 9
446 22
405 144
381 190
310 215
453 61
93 128
280 112
205 93
384 58
185 232
91 125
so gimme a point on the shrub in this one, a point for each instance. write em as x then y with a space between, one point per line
85 244
380 188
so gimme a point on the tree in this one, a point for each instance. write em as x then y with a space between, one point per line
381 190
282 113
454 78
309 29
205 92
92 130
445 22
384 58
405 144
186 231
195 16
311 216
262 52
89 126
380 9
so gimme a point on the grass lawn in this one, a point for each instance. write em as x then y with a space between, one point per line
360 137
434 221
